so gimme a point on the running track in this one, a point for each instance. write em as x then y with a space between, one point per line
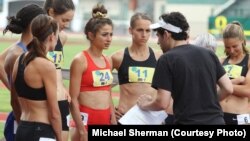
3 117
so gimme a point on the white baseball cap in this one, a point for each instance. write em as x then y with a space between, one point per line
167 26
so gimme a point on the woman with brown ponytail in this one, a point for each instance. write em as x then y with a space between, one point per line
91 78
36 86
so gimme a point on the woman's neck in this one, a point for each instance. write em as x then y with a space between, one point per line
26 38
95 52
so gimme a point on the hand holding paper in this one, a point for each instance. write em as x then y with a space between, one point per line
144 100
136 116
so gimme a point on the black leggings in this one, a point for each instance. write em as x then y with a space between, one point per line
64 109
33 131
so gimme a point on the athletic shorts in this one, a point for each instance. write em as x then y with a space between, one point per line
34 131
94 116
10 127
236 119
64 109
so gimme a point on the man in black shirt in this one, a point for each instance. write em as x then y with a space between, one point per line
188 74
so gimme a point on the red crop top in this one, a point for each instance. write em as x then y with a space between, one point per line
96 78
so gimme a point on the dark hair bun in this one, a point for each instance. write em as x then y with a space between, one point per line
99 11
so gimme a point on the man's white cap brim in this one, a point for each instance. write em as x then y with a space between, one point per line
167 26
155 26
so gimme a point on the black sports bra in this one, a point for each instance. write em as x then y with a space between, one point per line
25 91
129 62
234 70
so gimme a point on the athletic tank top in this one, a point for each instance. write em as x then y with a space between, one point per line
22 46
56 56
22 89
132 71
96 78
236 70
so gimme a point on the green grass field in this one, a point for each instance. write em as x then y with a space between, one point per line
1 130
74 45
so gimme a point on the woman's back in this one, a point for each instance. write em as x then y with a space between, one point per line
34 108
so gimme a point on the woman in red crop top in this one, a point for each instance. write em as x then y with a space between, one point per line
91 78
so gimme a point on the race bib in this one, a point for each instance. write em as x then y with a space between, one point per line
84 117
46 139
140 74
56 57
102 78
233 71
243 119
68 119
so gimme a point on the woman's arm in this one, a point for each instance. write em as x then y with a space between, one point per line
3 75
63 38
14 98
76 70
243 90
112 108
225 87
49 79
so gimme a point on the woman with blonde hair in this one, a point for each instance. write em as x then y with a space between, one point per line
135 65
236 107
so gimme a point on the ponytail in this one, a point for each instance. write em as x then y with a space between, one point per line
36 49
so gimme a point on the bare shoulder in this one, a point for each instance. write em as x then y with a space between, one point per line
157 53
79 57
222 59
13 53
79 61
117 58
63 37
40 62
118 55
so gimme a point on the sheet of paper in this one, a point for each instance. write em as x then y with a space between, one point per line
136 116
